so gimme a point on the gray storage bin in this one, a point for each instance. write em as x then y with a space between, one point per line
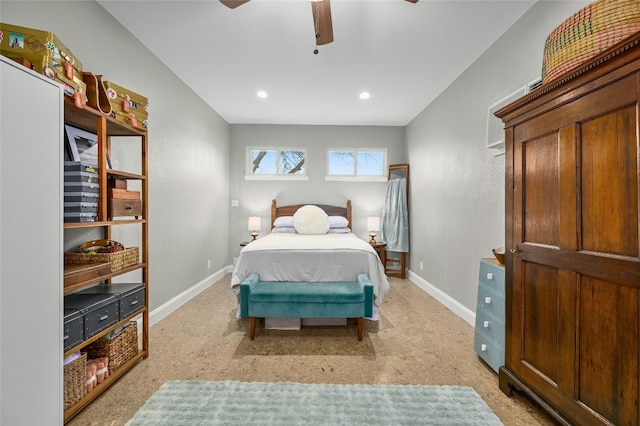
83 177
73 329
81 197
81 187
80 217
100 311
80 207
80 166
130 295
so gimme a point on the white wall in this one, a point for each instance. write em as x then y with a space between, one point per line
188 143
255 196
457 185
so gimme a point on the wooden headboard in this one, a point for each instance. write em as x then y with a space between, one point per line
330 210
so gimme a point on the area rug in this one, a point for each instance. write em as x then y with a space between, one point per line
192 403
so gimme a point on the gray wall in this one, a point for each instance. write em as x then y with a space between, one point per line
197 160
457 185
255 197
188 143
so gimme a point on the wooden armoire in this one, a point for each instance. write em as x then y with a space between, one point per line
572 242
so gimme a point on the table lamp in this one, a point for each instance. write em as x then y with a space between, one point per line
373 226
254 225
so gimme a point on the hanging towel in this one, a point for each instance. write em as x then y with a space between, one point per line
395 217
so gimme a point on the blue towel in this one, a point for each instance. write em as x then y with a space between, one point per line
395 217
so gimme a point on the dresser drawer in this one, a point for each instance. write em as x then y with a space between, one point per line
491 301
491 326
492 274
488 350
119 207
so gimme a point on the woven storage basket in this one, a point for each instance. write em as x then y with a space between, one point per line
119 349
587 33
75 377
119 260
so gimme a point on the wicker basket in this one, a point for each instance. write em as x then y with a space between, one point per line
75 377
119 349
119 260
587 33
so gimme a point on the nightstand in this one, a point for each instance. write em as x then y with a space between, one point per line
382 253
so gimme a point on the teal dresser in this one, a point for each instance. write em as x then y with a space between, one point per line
488 339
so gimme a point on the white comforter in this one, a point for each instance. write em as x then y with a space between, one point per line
311 258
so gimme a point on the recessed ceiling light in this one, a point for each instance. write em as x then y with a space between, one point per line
262 94
365 95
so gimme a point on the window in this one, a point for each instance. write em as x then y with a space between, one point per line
358 164
276 163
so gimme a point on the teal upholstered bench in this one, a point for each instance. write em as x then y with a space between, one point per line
284 299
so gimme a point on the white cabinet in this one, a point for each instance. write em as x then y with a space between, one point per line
31 235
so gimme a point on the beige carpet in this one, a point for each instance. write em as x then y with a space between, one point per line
417 341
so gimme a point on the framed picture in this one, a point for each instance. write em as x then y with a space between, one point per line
83 145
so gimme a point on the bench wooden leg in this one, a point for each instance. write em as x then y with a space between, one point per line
252 332
360 321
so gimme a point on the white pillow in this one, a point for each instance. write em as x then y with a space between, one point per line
284 230
311 220
343 230
283 222
338 222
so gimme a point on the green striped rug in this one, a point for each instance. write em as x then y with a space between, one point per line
193 403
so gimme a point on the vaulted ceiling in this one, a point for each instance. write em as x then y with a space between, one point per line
404 54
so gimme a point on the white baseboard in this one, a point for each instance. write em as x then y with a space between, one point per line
452 304
167 308
162 311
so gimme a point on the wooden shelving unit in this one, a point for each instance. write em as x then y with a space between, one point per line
105 127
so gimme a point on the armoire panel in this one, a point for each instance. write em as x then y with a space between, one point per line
541 191
540 342
610 184
608 349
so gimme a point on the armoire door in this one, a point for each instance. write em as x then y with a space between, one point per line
573 322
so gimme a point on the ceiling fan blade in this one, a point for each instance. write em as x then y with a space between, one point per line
413 1
232 4
322 21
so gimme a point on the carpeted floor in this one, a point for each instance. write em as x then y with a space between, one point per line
416 342
188 403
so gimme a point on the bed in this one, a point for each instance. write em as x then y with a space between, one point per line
287 255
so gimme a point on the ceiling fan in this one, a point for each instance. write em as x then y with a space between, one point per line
321 10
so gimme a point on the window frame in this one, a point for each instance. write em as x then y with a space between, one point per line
250 175
355 177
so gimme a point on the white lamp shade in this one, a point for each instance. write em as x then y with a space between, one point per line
373 224
254 223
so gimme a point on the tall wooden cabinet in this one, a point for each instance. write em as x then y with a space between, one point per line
572 238
106 127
